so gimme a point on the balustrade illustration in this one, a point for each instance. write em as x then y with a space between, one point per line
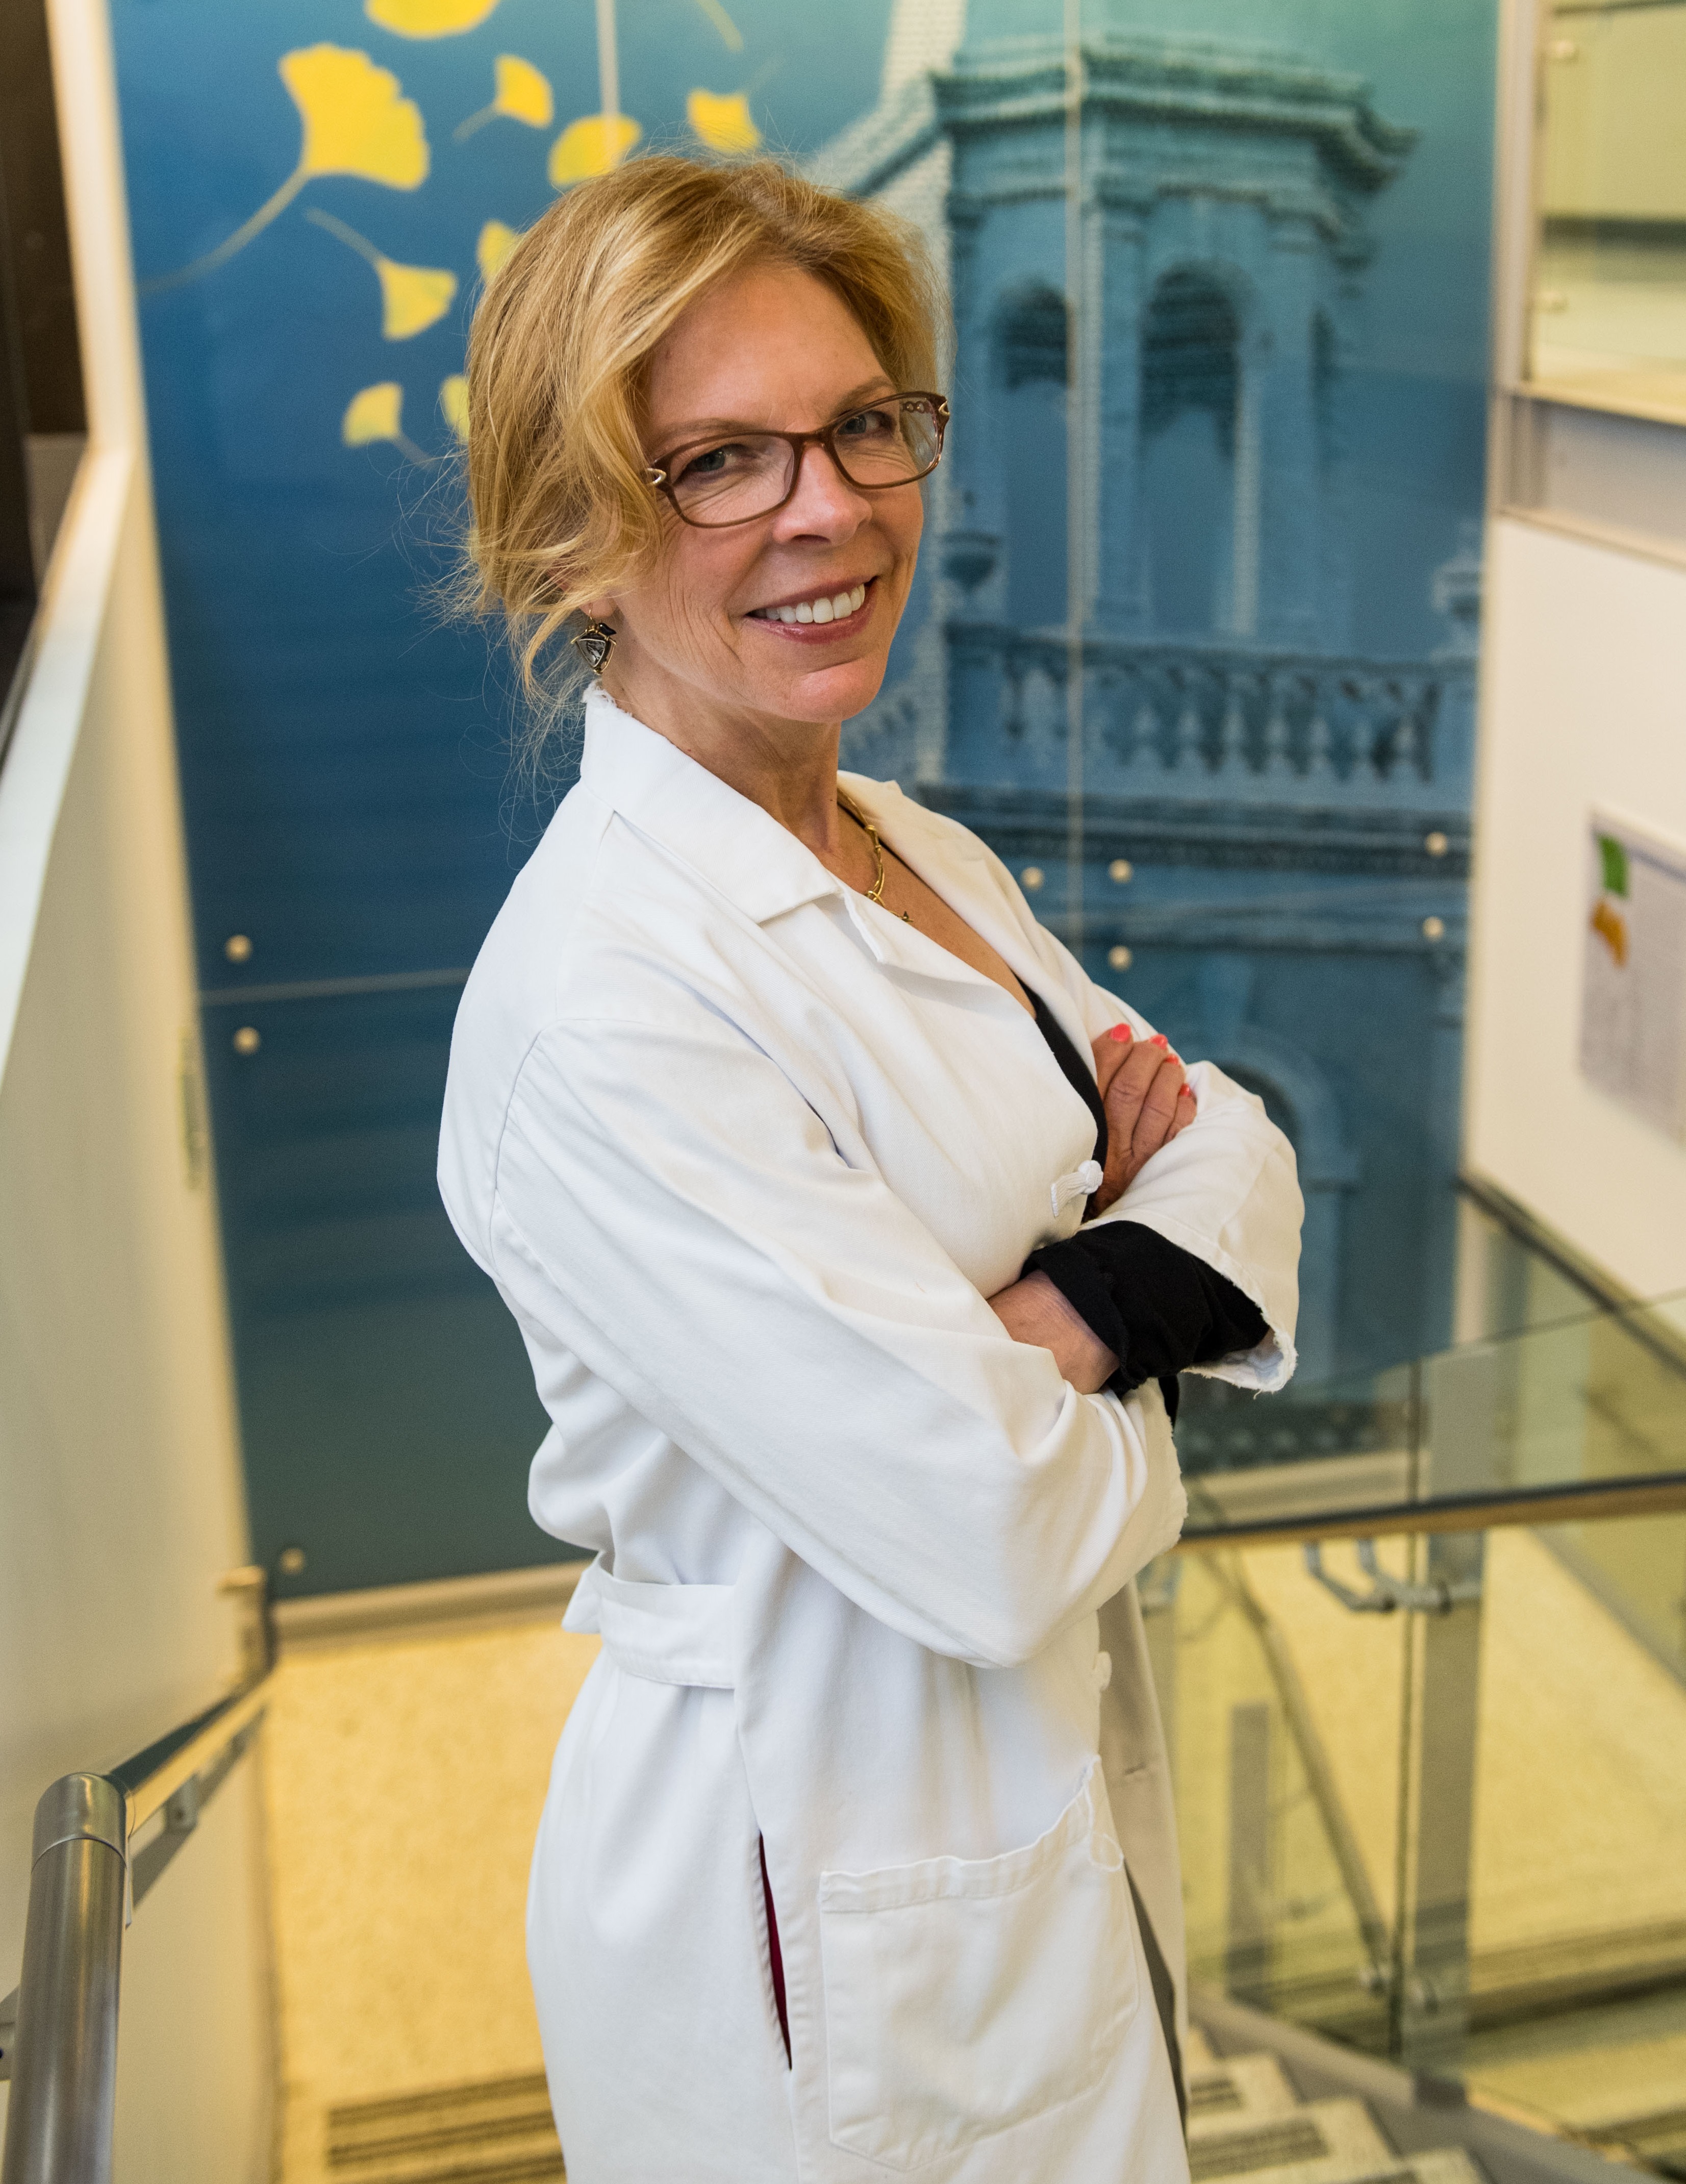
1200 718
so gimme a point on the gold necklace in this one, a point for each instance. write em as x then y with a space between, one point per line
880 870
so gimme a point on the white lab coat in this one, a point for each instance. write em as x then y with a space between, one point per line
745 1154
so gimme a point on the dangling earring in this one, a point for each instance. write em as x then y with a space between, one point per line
595 643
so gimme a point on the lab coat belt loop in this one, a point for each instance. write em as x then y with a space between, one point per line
667 1634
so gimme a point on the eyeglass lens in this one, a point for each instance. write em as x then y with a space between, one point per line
890 444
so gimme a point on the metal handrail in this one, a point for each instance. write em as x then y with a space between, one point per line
1583 1501
59 2030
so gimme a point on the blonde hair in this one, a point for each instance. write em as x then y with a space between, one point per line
561 510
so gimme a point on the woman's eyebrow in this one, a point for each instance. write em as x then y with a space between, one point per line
697 428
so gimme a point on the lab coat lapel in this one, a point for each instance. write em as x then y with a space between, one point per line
760 867
958 867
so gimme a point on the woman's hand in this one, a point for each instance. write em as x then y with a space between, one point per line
1032 1310
1148 1103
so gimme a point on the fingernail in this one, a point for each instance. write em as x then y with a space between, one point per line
1159 1039
1121 1032
1185 1091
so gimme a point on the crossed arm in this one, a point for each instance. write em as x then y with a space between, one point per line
1148 1104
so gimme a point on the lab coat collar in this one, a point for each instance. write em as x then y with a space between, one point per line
744 854
956 866
739 850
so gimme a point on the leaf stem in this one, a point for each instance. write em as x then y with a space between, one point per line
271 209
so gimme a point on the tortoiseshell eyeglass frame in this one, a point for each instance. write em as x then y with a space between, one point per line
659 474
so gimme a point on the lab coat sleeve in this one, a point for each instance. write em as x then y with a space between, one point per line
1227 1187
670 1207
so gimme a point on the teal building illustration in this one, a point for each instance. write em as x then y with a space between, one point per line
1136 674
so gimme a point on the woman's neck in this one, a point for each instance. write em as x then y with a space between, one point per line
788 768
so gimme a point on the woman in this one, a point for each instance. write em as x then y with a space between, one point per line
764 1093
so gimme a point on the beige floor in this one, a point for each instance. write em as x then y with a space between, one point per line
404 1782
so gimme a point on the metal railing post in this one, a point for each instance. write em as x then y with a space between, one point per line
59 2128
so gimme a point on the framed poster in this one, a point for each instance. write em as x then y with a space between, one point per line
1633 990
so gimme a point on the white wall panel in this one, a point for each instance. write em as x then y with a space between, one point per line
1583 706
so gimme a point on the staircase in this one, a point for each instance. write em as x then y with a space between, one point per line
1245 2121
498 2131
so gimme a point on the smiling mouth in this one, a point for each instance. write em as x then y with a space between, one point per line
825 607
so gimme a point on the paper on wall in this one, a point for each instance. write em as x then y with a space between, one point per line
1634 991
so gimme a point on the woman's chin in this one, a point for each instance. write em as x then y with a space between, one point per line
836 692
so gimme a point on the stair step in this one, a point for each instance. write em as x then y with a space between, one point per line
540 2167
497 2131
1240 2087
1329 2141
1660 2138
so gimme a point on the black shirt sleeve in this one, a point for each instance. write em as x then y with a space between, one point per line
1156 1306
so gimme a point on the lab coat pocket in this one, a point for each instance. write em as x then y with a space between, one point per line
964 1996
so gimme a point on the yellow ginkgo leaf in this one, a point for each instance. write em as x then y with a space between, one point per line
492 250
357 121
376 413
593 145
454 401
413 297
428 19
522 93
723 124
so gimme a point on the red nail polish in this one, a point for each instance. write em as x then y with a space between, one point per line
1121 1032
1185 1091
1159 1039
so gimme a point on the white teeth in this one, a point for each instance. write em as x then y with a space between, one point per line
821 610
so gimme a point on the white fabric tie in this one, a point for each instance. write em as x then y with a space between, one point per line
667 1634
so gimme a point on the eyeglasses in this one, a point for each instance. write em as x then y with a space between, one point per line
735 477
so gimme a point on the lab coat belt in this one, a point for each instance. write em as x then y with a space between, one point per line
667 1634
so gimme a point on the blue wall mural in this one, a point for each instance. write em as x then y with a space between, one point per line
1193 644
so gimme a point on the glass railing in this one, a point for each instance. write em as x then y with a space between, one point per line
1557 1417
1422 1656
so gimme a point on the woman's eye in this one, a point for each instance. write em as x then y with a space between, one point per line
868 425
712 462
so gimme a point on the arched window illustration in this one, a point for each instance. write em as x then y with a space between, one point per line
1190 385
1030 405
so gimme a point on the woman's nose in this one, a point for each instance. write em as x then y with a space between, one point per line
824 502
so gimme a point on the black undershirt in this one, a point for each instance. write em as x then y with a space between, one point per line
1157 1307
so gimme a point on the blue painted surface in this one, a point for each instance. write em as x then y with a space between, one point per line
345 749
